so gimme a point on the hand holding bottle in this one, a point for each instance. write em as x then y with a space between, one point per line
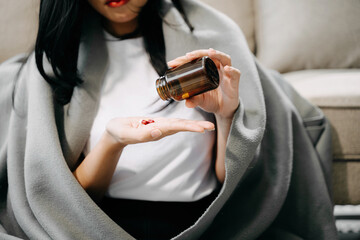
224 100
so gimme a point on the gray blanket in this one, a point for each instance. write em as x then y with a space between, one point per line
278 155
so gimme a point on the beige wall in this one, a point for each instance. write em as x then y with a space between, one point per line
18 26
242 12
19 23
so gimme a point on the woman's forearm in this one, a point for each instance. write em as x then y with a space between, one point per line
96 170
223 128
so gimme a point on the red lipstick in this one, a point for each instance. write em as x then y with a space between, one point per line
116 3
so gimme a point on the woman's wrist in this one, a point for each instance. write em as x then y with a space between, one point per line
112 142
227 111
225 118
223 125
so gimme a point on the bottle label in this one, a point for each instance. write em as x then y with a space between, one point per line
185 95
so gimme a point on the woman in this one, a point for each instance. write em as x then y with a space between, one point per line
161 188
192 181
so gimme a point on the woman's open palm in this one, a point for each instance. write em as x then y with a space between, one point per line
131 130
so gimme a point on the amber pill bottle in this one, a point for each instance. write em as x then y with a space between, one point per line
187 80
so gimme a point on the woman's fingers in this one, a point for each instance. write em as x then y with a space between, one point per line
156 133
198 53
190 103
223 58
165 127
178 61
194 101
188 57
171 126
233 75
137 130
216 56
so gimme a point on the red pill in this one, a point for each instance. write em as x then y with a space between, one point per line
146 122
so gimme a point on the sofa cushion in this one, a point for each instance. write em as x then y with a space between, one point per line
328 87
307 34
242 12
337 93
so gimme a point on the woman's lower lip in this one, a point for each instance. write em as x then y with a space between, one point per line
116 3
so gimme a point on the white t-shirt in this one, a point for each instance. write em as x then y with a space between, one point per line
175 168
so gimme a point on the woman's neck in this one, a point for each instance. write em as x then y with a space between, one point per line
120 29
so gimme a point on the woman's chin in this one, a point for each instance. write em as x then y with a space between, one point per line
120 18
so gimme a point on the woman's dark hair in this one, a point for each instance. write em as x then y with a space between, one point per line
59 38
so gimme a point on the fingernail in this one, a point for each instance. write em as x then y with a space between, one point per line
156 133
